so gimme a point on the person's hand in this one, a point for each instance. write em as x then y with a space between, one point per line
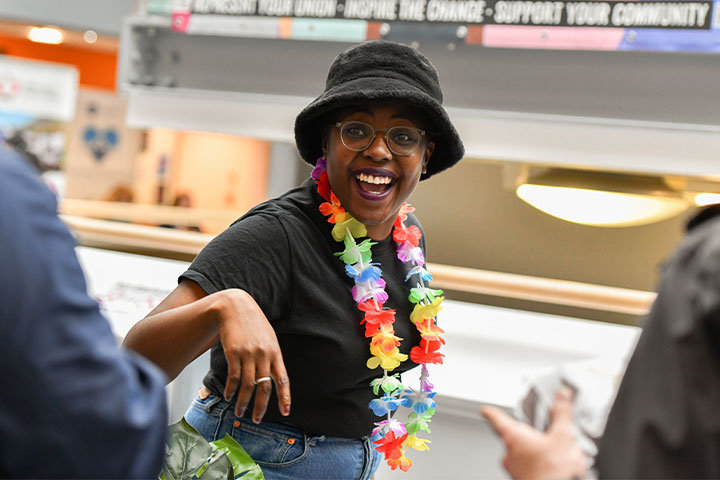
534 455
253 353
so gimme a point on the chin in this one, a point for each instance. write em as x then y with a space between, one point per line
376 221
370 222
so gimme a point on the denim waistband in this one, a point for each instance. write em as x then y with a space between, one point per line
286 451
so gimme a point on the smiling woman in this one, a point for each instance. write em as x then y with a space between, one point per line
293 291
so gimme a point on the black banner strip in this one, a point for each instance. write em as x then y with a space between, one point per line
611 14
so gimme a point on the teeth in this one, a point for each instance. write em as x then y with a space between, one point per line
376 180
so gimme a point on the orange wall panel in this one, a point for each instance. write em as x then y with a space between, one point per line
97 69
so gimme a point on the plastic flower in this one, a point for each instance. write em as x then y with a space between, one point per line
388 361
420 402
419 270
425 384
409 253
374 329
320 167
333 209
364 273
418 294
389 384
427 352
356 252
416 443
411 234
401 462
323 184
391 425
419 422
363 291
378 330
384 338
390 445
381 406
375 314
429 310
405 208
349 224
429 331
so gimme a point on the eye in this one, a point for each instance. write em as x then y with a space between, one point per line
356 131
404 136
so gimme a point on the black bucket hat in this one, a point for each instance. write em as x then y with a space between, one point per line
382 71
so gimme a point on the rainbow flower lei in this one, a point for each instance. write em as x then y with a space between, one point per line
370 296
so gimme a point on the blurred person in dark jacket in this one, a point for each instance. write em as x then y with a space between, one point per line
74 404
665 421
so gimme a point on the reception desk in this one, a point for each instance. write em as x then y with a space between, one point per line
491 356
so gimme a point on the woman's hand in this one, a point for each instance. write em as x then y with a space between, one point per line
188 322
252 352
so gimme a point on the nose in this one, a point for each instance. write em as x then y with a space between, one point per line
378 150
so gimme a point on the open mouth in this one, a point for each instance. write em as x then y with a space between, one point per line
374 186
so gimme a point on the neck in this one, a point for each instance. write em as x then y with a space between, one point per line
380 231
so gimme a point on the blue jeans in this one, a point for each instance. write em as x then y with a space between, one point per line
284 451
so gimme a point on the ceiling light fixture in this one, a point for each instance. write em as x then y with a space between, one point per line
706 198
602 199
48 35
90 36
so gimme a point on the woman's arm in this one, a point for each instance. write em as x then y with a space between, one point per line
188 322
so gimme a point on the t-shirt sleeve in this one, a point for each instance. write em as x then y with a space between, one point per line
254 255
74 404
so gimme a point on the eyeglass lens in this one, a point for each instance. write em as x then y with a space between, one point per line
401 140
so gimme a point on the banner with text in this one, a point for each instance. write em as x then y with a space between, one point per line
614 14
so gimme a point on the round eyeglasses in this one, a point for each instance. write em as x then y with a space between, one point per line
358 136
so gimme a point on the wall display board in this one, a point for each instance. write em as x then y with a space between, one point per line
581 25
38 89
101 149
37 99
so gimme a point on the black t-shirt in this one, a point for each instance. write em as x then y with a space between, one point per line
282 254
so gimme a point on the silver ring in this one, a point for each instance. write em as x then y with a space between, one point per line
262 379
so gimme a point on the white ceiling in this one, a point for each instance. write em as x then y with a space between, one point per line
103 16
